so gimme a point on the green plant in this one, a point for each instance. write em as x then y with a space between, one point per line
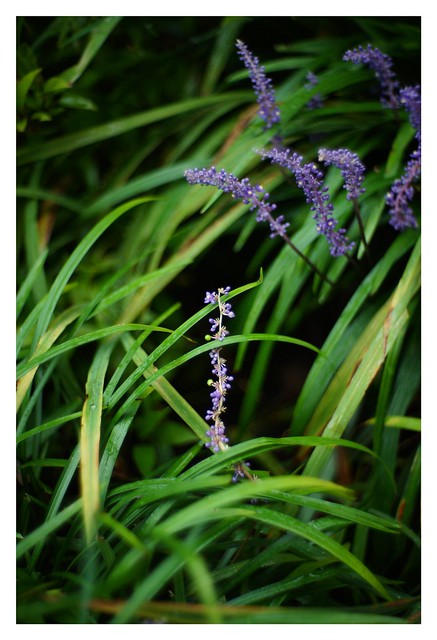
123 514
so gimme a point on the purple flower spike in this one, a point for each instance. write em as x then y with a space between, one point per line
381 64
221 383
262 86
352 169
402 190
410 98
241 190
402 193
310 179
316 102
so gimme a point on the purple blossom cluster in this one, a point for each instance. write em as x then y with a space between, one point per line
410 98
352 169
310 179
218 441
241 190
381 64
316 102
221 383
401 193
262 85
308 176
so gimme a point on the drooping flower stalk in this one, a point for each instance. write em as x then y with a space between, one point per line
381 64
253 195
352 171
262 85
310 179
241 190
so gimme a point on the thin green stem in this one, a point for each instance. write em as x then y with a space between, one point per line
361 227
307 260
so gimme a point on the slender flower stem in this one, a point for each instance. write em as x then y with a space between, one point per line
354 263
361 227
308 261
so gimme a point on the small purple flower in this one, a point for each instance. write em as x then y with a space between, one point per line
262 86
240 471
352 169
310 179
316 102
312 80
241 190
381 64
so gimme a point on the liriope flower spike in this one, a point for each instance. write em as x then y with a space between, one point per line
218 440
352 169
381 64
221 383
310 179
241 190
316 102
262 86
410 98
402 191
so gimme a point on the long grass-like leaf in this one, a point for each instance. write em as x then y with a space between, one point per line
90 439
211 508
80 139
385 330
47 528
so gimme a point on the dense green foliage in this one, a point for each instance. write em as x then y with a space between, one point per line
123 514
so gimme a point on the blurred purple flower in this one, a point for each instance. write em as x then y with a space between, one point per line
401 193
381 64
410 98
262 86
316 102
